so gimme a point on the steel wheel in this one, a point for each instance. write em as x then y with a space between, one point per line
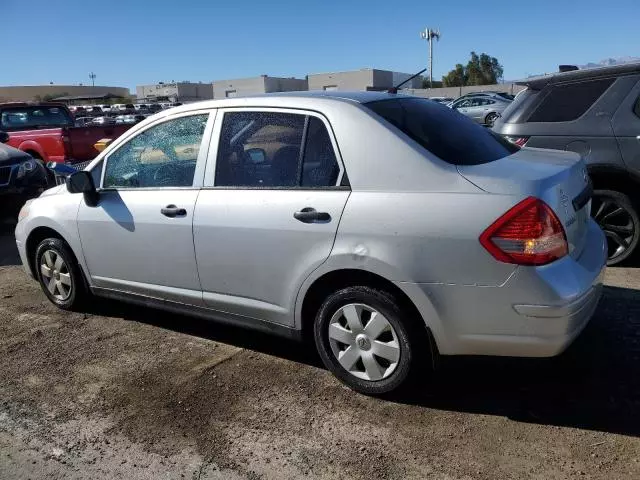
364 342
617 222
55 275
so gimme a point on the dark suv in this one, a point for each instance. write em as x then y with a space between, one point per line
595 113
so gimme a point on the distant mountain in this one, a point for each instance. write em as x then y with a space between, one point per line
611 61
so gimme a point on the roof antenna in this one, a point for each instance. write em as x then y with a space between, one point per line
395 89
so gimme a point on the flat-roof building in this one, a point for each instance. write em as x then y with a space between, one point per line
240 87
364 79
174 92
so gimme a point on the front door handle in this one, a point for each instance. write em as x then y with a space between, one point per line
173 211
310 215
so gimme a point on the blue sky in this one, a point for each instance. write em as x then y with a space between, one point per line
137 41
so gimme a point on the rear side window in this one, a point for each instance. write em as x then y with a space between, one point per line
570 101
271 149
636 108
444 132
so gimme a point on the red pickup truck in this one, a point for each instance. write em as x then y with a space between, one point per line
46 131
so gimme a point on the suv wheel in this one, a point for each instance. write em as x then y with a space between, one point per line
59 274
366 340
618 218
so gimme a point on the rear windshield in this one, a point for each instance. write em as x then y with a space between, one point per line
24 118
444 132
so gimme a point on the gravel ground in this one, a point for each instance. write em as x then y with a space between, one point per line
124 392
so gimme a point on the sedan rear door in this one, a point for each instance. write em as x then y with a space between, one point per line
269 210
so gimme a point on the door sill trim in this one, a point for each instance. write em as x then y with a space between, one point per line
200 312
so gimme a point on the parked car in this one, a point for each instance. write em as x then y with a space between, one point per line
129 118
387 228
47 132
83 121
154 107
483 109
21 178
104 120
443 100
487 93
596 113
94 110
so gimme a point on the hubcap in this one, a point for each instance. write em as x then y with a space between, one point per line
364 342
55 275
617 224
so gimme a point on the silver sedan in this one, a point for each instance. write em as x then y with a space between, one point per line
484 109
387 229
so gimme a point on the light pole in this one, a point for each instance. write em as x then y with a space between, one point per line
92 76
429 34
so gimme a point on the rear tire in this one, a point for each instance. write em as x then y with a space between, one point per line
59 274
371 357
491 119
618 217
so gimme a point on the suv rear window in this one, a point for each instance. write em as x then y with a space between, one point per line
444 132
569 101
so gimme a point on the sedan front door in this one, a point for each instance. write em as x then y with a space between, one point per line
271 215
139 238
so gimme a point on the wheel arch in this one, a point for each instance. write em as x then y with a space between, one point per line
611 177
36 236
333 280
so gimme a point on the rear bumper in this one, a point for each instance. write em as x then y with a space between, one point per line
537 312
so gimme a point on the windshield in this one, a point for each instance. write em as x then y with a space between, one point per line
444 132
22 118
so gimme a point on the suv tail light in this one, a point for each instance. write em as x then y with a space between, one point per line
528 234
519 141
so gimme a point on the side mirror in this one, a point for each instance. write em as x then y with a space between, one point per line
4 137
82 182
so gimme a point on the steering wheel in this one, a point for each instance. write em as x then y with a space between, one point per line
167 175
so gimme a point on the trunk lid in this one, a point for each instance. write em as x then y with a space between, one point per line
558 178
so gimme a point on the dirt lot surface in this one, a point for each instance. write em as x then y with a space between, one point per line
124 392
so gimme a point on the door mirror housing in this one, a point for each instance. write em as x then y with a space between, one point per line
82 182
4 137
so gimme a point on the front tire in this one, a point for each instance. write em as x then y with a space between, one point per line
367 340
60 275
617 215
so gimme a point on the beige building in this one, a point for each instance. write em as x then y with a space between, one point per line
30 93
175 92
240 87
365 79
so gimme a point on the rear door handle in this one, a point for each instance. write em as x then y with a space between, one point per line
173 211
310 215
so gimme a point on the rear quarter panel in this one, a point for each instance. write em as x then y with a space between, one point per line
422 237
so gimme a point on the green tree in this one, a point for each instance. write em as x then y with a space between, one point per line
480 70
456 77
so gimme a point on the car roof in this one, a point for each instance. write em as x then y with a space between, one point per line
288 99
542 81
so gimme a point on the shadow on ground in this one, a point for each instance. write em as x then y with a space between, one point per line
594 385
8 251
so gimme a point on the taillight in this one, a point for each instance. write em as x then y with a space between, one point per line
528 234
519 141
